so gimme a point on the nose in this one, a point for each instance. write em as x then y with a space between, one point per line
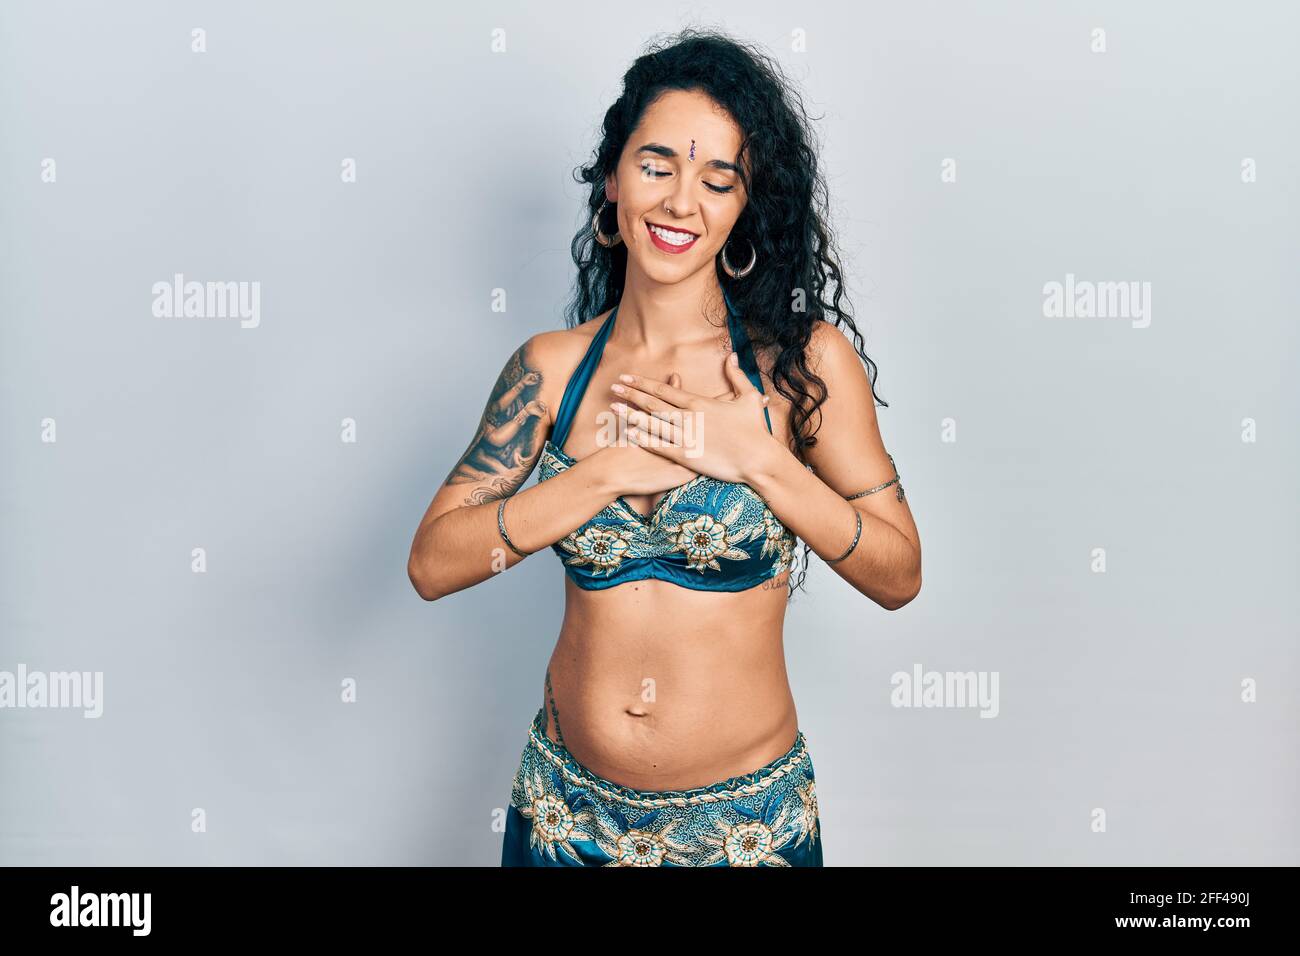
678 200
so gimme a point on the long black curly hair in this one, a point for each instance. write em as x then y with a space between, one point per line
798 281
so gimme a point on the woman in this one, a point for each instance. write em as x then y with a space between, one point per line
701 411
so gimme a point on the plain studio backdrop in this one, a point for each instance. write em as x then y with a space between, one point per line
214 515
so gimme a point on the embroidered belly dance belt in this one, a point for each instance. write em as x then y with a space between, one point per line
562 814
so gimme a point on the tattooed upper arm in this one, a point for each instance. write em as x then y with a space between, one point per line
509 439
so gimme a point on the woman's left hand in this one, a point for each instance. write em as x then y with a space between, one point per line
723 437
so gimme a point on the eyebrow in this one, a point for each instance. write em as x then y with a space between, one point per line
670 153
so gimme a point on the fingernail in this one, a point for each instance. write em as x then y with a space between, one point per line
735 359
626 378
619 388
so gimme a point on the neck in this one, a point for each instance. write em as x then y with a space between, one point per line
659 316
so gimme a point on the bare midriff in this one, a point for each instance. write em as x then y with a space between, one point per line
660 687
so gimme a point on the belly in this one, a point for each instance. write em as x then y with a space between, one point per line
662 688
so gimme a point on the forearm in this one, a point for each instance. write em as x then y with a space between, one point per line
464 546
885 566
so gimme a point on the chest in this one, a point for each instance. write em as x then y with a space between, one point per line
717 530
596 423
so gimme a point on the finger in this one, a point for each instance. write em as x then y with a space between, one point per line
654 407
661 391
675 381
650 443
666 431
737 377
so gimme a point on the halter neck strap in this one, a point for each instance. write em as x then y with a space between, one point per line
582 375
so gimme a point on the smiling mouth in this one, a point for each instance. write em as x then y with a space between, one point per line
674 241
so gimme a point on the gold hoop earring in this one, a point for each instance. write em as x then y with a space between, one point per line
606 241
732 270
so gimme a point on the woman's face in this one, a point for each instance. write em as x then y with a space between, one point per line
677 189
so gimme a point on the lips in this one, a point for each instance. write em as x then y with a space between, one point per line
666 246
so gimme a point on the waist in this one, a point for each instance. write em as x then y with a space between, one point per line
737 786
669 697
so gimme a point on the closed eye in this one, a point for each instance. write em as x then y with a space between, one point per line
660 173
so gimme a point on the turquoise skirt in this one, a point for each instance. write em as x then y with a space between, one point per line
562 814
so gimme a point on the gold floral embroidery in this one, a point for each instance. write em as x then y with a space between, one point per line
554 824
807 820
621 535
773 531
704 539
786 554
646 848
603 548
750 842
578 814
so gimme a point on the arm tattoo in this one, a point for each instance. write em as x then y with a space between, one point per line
509 438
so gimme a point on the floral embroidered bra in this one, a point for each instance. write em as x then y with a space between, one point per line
707 535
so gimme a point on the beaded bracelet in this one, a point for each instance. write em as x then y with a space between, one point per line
501 526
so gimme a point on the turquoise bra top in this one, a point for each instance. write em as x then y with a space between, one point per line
707 535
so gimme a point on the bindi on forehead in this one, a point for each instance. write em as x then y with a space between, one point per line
659 149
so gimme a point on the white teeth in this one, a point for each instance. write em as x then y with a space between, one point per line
674 238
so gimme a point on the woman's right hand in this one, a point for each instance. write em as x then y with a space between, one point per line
633 470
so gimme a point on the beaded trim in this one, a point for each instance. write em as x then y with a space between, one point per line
790 761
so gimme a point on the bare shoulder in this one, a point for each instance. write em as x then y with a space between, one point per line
849 451
567 344
830 356
830 353
827 347
516 420
555 355
833 358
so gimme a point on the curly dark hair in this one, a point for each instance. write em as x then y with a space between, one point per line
798 281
